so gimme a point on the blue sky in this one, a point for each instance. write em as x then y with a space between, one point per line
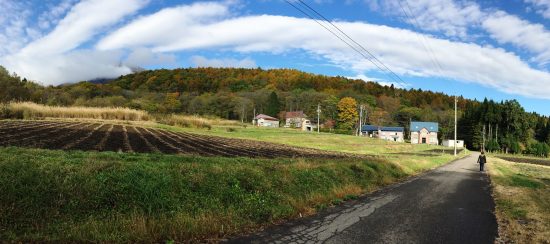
495 49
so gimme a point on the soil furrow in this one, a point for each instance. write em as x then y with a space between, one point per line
139 142
76 144
122 138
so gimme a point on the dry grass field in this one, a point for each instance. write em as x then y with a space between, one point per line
522 197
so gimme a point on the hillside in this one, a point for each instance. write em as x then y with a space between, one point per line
237 93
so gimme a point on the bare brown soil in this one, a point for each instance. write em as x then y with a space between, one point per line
88 136
540 161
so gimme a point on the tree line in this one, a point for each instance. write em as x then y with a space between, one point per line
238 93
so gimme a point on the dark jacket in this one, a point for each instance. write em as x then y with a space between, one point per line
482 159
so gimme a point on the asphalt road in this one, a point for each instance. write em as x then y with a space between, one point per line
451 204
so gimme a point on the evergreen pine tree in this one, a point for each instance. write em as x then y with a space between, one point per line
273 104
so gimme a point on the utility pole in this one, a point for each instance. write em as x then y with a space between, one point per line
318 116
456 101
254 119
360 119
366 114
243 113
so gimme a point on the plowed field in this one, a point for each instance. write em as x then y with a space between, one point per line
128 138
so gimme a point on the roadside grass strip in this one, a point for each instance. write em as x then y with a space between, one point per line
522 197
53 195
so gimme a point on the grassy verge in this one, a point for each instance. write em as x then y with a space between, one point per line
522 197
88 196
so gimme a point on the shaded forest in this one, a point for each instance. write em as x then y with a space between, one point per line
236 93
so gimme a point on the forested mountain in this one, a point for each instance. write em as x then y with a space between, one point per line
235 93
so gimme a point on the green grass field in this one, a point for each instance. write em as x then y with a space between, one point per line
522 197
325 141
50 195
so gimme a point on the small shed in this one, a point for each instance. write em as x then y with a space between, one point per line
451 143
265 121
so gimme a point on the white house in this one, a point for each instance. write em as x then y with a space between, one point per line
383 132
424 133
298 119
451 143
295 119
265 121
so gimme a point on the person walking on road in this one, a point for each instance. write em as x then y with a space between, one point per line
481 160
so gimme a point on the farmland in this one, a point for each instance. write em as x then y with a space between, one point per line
128 138
145 182
524 159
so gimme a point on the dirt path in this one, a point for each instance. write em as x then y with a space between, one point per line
451 204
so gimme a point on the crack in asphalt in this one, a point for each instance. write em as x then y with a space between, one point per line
451 204
334 223
318 231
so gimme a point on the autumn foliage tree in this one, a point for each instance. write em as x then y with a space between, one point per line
239 94
347 113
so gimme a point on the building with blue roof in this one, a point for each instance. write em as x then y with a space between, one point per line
424 132
383 132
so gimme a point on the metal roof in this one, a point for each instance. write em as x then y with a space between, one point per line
381 128
430 126
295 114
266 117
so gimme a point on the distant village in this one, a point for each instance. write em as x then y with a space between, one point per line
420 132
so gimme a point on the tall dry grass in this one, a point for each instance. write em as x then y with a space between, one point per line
193 121
28 110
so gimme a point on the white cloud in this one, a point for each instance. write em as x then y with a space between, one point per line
200 61
463 19
13 25
452 18
145 57
53 15
397 48
70 67
84 20
542 7
55 58
380 81
533 37
363 77
164 26
52 58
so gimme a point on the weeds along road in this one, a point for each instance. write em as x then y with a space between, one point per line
451 204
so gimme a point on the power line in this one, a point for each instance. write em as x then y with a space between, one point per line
336 35
381 66
430 54
358 44
425 39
